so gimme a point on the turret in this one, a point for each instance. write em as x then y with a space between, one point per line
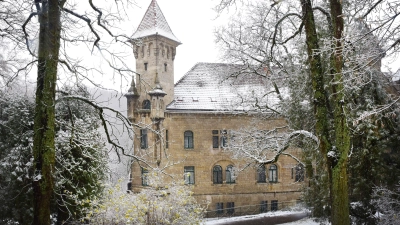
132 98
157 101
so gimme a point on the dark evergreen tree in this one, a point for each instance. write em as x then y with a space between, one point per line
16 132
81 159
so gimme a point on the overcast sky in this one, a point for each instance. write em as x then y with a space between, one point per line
193 23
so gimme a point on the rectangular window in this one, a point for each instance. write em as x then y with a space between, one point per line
166 138
145 178
264 206
188 139
274 205
215 142
215 139
220 208
219 138
224 139
143 139
189 174
261 176
230 207
273 174
299 169
165 67
145 66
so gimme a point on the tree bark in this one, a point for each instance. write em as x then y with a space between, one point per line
340 197
44 122
336 167
321 103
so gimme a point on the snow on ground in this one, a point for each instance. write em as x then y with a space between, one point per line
216 221
305 221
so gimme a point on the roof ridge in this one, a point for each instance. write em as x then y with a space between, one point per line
199 63
187 73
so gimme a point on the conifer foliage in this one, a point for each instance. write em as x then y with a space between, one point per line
81 161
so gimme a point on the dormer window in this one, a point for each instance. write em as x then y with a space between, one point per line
145 66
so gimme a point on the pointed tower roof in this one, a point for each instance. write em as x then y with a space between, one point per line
132 90
153 23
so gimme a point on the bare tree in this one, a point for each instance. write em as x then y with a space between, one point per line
273 38
46 32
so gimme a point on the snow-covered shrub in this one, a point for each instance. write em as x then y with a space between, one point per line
160 203
388 205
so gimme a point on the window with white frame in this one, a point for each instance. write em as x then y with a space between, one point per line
188 139
230 174
273 173
220 138
188 174
145 176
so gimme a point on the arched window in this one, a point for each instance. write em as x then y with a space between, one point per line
261 176
299 173
188 139
217 174
273 173
146 104
230 175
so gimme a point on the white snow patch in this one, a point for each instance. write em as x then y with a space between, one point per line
305 221
216 221
332 154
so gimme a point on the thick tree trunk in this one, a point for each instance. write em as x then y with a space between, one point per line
44 123
321 103
340 201
336 168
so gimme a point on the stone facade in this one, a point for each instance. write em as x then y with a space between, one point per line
192 136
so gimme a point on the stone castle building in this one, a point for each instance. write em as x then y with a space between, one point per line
190 122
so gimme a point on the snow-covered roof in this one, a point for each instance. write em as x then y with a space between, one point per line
154 23
215 87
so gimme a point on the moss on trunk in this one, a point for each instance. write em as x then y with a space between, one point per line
340 143
44 122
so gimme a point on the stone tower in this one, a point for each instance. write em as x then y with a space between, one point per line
147 98
155 54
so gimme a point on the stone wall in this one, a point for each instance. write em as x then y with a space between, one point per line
246 190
